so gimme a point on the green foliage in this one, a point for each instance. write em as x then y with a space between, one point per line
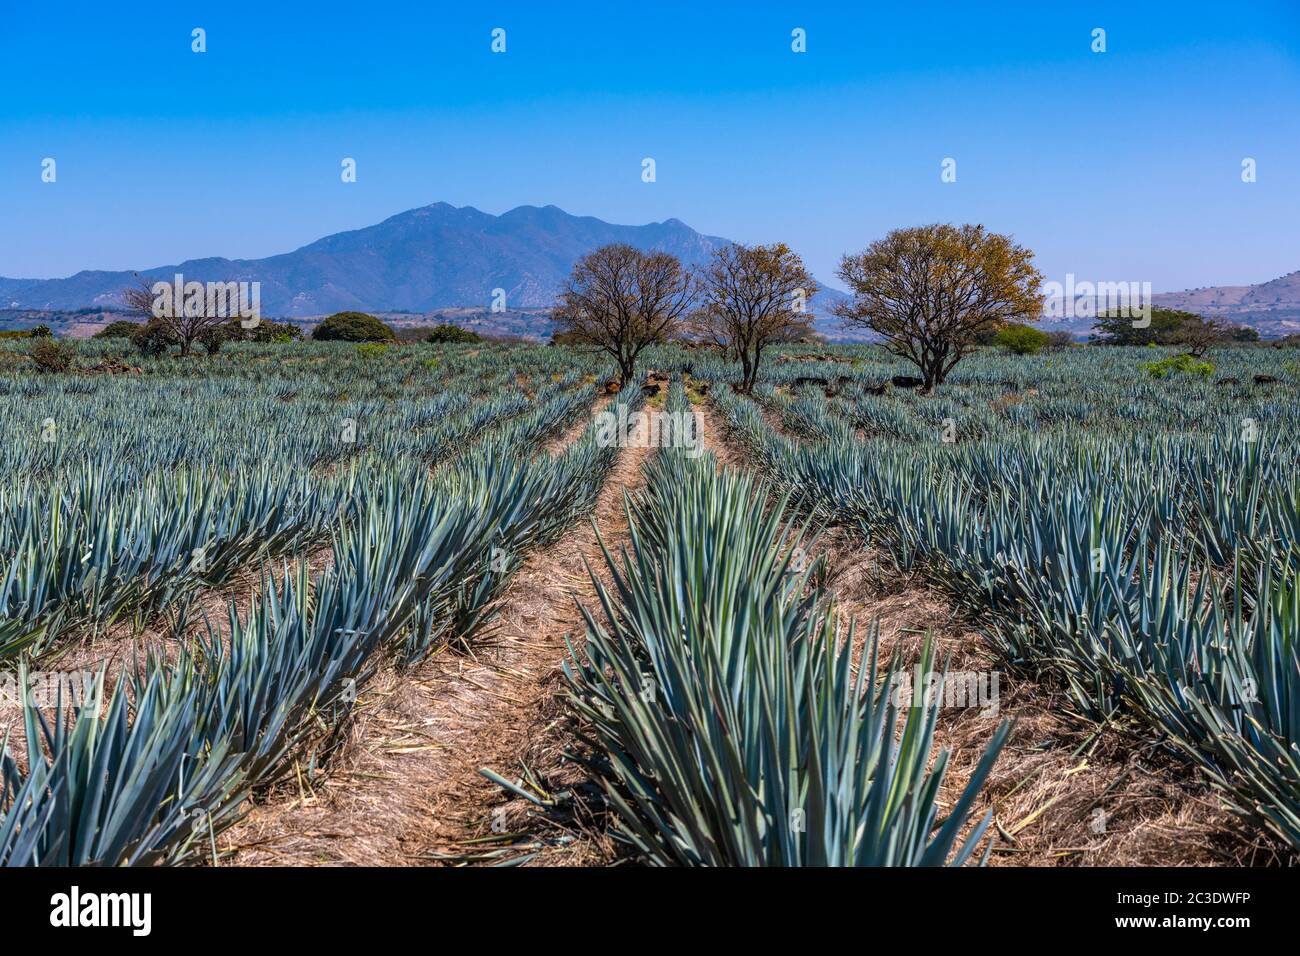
446 332
353 327
240 462
741 729
1165 328
372 350
153 339
1185 364
265 331
52 355
212 338
1158 581
121 329
1020 339
39 332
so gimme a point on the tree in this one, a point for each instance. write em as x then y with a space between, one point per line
1197 335
1020 339
153 338
620 300
1117 328
446 332
121 329
1193 332
754 297
264 331
186 322
931 291
353 327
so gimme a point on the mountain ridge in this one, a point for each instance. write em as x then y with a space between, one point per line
439 257
431 257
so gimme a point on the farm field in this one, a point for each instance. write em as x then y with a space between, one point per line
317 603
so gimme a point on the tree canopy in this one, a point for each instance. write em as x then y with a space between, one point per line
930 292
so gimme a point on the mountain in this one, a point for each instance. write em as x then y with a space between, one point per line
425 259
1272 308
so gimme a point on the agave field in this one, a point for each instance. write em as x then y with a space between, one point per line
1129 542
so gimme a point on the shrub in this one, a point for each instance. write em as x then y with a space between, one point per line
1059 340
121 329
212 338
153 338
1020 339
1186 364
353 327
51 355
264 331
446 332
371 350
567 339
42 332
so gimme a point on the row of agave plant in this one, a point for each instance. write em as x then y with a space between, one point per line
1155 574
735 725
116 526
59 427
150 770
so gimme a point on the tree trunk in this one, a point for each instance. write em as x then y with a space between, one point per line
746 373
931 375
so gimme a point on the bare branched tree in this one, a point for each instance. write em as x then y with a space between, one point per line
621 300
754 297
188 325
931 291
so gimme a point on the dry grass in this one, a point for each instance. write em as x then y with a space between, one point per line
406 787
1063 791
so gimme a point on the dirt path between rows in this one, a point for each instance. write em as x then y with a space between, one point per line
1061 793
407 788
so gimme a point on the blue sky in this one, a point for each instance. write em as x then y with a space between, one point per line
1124 165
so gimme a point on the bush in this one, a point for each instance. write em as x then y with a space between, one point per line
1020 339
446 332
1186 364
51 355
566 339
370 350
353 327
121 329
212 338
40 332
264 331
153 339
1060 340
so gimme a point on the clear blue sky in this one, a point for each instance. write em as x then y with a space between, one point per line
1116 166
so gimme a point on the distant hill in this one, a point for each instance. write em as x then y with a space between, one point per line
1271 308
433 258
